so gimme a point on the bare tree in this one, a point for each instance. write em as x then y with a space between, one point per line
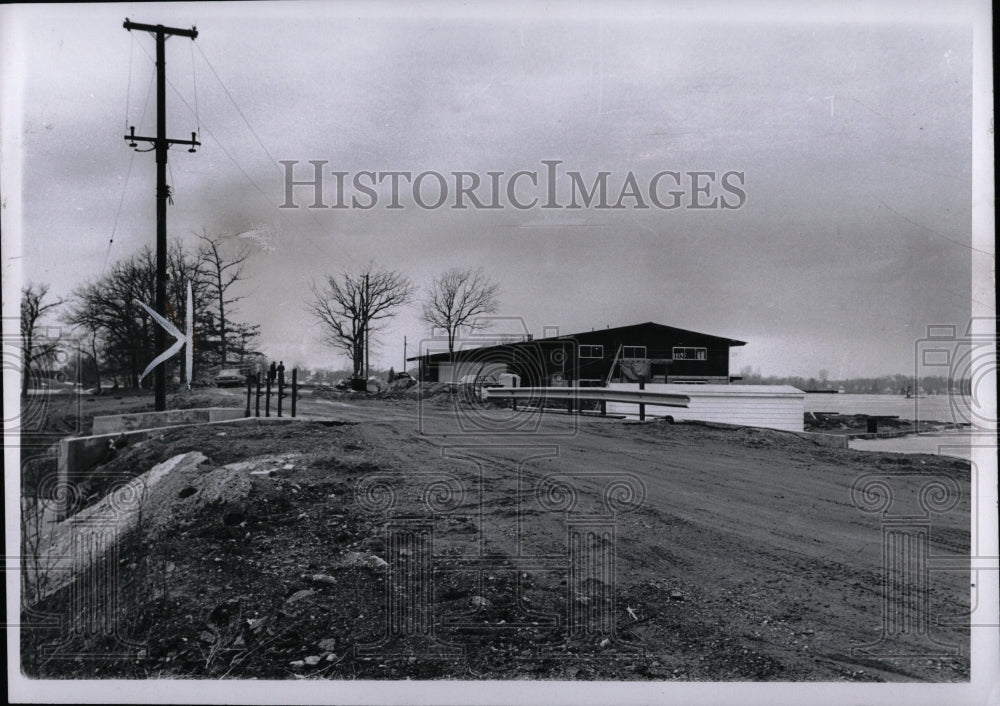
456 298
217 273
351 307
34 348
106 307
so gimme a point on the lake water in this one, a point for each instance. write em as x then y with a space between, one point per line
934 408
937 408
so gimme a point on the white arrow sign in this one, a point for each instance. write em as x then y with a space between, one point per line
182 338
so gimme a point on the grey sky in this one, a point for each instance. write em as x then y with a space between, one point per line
855 139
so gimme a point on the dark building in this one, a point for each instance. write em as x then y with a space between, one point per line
649 351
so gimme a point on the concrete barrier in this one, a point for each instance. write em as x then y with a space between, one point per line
79 455
117 423
70 548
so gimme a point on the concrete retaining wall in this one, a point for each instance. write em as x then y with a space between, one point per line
116 423
78 456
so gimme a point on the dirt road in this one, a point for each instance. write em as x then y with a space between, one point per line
757 530
574 547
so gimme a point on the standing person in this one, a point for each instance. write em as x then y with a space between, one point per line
281 373
271 372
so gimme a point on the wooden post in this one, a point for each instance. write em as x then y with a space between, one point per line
642 406
161 144
257 414
295 388
281 392
604 408
249 392
267 399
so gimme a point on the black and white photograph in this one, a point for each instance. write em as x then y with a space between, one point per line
500 352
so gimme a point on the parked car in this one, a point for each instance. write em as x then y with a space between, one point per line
403 376
229 377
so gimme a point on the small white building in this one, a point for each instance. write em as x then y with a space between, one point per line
769 406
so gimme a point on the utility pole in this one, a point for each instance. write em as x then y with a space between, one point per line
404 354
161 144
365 309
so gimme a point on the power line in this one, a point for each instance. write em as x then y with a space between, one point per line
118 213
218 142
222 147
931 230
128 174
253 132
233 101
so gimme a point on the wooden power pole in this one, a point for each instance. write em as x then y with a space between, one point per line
161 144
364 309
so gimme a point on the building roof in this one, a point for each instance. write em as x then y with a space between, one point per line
732 342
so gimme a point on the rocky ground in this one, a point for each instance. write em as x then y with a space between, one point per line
377 546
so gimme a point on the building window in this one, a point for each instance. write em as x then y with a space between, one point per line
633 351
587 382
688 353
591 351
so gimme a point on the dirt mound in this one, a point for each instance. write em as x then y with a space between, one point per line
128 507
185 495
757 438
398 387
330 393
398 390
428 390
208 397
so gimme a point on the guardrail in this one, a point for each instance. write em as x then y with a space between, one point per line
575 395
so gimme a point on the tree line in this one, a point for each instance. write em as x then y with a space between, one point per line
116 335
877 385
